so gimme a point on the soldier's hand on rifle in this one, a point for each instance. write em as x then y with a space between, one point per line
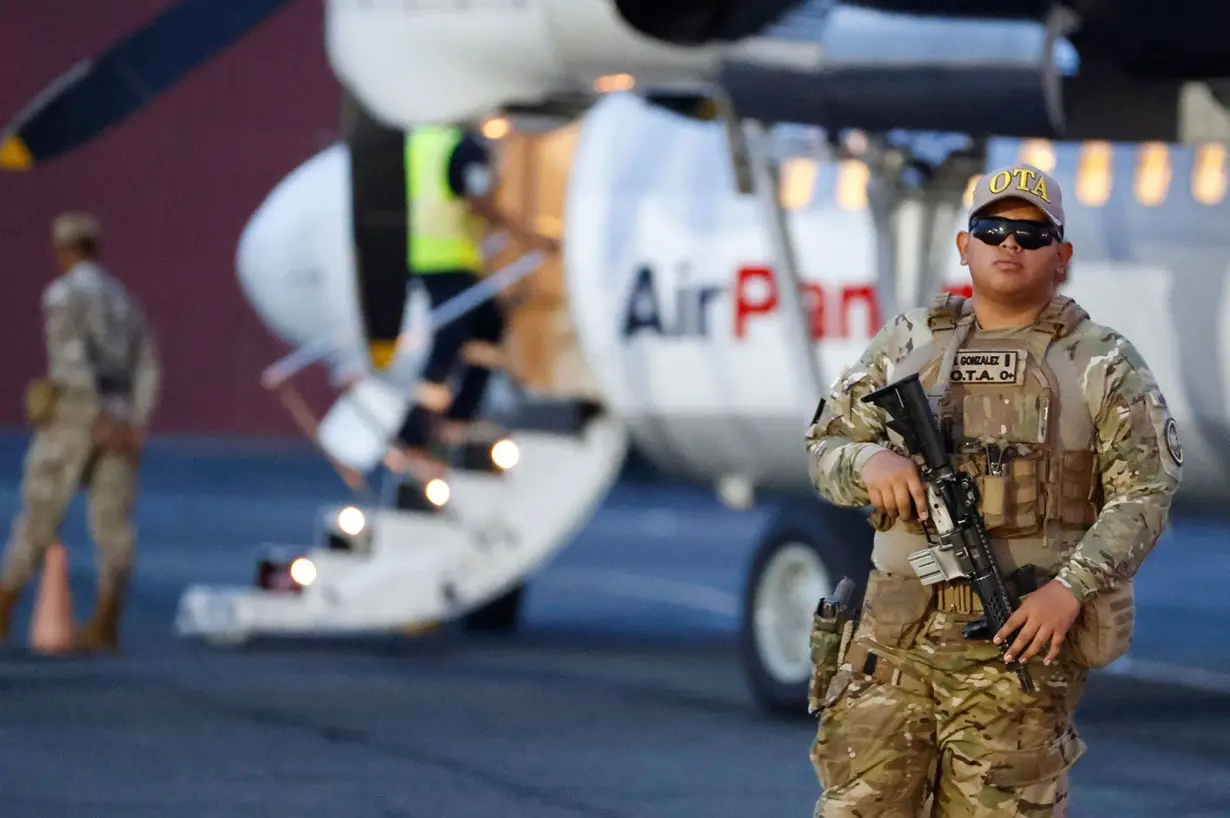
1044 616
894 485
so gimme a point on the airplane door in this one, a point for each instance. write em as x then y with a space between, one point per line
541 346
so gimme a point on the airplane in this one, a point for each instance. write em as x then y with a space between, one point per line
815 63
673 296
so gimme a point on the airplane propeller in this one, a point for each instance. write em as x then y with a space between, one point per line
100 92
379 224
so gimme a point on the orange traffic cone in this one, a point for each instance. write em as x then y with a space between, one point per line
51 625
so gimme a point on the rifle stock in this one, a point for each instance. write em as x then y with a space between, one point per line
963 549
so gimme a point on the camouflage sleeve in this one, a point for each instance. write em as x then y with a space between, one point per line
1140 459
844 433
68 359
147 380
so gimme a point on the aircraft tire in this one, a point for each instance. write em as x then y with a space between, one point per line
819 546
500 615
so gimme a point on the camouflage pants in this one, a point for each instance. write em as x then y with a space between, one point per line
943 728
60 460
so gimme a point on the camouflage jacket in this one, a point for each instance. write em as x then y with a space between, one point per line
99 343
1137 448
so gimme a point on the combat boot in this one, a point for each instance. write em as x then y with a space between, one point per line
102 631
8 602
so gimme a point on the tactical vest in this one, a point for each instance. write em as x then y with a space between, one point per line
443 235
1016 418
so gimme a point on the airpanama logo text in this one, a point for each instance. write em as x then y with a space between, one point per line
834 312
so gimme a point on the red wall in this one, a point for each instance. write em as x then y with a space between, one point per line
173 186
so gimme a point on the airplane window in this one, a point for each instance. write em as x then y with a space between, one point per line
1209 174
968 199
798 182
1093 177
1039 153
1152 173
852 176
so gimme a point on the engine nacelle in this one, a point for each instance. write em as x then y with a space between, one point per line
428 62
881 71
296 267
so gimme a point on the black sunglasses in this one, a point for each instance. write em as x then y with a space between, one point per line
1029 234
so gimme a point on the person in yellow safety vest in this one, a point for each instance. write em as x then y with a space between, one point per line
451 188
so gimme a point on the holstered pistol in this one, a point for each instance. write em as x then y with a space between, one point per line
832 627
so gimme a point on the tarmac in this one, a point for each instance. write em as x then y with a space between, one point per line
620 697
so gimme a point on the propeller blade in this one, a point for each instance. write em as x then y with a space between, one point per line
100 92
378 199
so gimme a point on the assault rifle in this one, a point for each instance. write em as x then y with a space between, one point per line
963 549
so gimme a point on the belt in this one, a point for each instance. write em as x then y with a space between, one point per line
957 596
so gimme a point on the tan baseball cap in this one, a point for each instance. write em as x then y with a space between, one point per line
1025 182
74 226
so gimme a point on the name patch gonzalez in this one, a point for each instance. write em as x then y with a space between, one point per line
986 366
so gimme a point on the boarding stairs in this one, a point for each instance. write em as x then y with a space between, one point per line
397 560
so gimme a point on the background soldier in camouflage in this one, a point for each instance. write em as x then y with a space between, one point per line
1077 459
89 416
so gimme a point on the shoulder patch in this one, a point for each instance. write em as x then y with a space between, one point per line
819 409
1172 441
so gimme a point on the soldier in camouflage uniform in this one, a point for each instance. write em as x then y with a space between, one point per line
89 416
1077 458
